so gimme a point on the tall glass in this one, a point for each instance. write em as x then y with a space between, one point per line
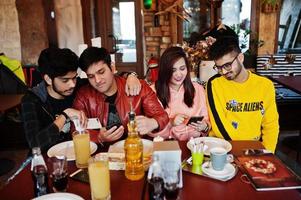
59 173
171 171
81 142
99 177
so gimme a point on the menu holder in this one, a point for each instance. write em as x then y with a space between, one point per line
266 172
169 151
197 170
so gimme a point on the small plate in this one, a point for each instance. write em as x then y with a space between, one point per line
211 142
228 171
59 196
118 147
67 149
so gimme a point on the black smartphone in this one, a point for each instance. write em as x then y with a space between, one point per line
80 175
113 124
195 119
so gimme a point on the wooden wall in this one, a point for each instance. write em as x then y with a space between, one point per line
32 25
268 32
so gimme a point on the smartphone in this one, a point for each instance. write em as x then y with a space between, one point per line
80 175
195 119
113 124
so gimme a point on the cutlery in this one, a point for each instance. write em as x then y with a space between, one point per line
23 165
208 164
188 160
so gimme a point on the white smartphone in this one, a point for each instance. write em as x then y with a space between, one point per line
93 123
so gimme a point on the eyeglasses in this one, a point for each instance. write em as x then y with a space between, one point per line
227 66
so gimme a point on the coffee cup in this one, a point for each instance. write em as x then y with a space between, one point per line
219 158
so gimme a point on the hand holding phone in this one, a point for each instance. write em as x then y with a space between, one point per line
195 119
111 134
179 119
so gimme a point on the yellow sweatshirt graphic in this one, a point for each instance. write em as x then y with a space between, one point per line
243 111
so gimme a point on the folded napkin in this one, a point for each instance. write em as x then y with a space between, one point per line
116 160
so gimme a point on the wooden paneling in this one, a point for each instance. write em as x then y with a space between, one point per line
87 24
268 32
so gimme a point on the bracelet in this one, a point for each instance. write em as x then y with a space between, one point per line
133 73
66 116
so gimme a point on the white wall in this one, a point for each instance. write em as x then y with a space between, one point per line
9 30
69 23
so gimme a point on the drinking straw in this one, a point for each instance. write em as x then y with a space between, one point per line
61 170
201 147
77 124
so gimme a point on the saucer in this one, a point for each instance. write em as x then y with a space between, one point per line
228 171
59 196
211 142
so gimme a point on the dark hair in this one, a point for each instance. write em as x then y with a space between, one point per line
223 46
167 60
55 62
93 55
220 31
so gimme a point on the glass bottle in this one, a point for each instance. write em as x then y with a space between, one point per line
133 148
39 173
155 180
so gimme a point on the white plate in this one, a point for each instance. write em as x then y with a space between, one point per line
118 147
211 142
228 171
59 196
67 149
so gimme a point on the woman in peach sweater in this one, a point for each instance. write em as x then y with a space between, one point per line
181 98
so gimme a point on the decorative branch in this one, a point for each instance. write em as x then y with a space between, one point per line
173 9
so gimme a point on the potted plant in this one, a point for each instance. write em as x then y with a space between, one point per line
270 6
249 43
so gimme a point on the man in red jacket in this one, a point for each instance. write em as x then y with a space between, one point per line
105 98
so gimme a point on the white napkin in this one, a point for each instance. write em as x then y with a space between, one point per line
116 160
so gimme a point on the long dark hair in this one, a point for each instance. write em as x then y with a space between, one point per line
167 60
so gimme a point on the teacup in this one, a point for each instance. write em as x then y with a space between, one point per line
219 158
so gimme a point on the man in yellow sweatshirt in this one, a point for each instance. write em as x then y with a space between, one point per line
241 104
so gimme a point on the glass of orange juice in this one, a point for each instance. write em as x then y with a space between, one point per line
99 177
81 142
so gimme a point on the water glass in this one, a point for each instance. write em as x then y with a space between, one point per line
81 142
59 173
171 176
99 177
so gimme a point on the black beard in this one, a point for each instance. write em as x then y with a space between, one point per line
57 91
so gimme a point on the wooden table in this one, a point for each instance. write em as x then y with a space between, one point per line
291 82
8 101
195 187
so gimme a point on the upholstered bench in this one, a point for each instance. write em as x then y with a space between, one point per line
281 67
288 101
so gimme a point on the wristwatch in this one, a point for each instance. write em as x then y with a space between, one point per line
66 116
